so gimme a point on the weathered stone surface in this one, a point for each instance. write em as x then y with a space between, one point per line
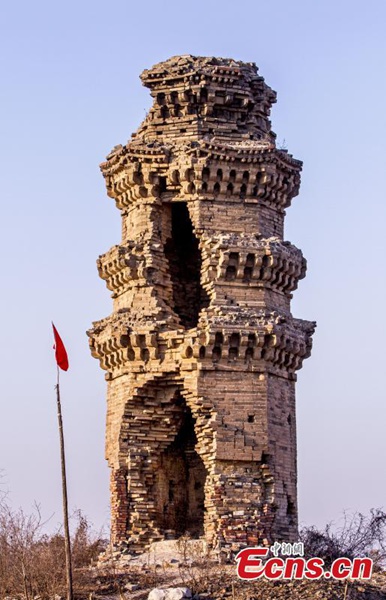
156 594
177 593
201 350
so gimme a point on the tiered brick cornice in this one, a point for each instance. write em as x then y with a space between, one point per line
254 172
264 341
246 261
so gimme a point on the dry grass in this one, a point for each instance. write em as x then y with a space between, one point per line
32 563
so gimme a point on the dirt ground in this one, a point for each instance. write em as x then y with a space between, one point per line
187 563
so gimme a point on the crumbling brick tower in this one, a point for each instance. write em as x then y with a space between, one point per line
201 349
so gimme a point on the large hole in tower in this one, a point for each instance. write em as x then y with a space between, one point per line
184 256
180 482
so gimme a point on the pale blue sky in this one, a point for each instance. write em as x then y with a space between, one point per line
70 92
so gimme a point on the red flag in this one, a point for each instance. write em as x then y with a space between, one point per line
60 351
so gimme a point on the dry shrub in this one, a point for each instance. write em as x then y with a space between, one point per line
357 536
200 569
32 563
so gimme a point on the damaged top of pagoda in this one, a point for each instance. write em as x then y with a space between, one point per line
207 113
201 70
220 96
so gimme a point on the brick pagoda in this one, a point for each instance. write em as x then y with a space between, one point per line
201 350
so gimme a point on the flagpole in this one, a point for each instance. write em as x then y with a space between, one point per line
67 541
